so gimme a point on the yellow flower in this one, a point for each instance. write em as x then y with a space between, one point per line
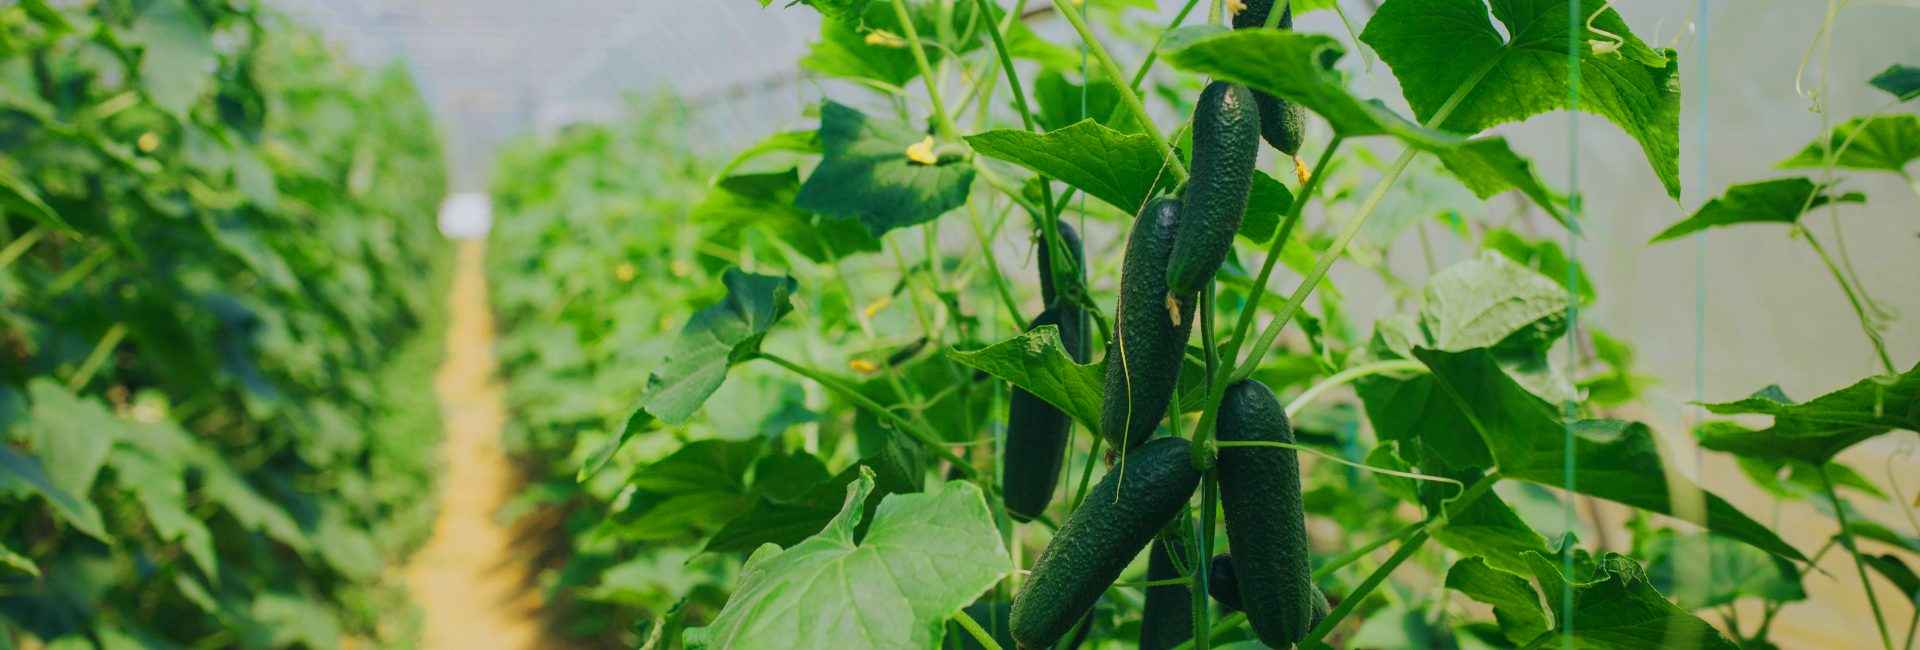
862 366
624 272
877 305
884 38
679 268
922 152
148 142
1234 7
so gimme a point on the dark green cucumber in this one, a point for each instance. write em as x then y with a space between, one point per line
1143 360
1071 238
1038 432
1282 123
1266 521
1118 518
1224 587
1167 618
1226 142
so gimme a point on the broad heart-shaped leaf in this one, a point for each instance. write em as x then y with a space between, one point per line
866 174
18 198
1902 81
1297 67
1516 605
843 51
178 60
785 517
1037 363
1617 608
924 557
1123 170
1613 459
1483 302
1782 200
716 338
1701 570
702 486
1437 46
1488 167
20 474
763 203
1883 143
1817 430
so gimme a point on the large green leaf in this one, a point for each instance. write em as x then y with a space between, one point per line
22 475
924 557
866 174
1877 142
763 204
1483 302
696 488
1488 166
1437 46
1701 571
1297 67
177 65
1902 81
1516 606
843 51
1816 430
715 339
162 492
1036 362
1617 608
1489 528
785 517
1612 459
1782 200
70 435
1123 170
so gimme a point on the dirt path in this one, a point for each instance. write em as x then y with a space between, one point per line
475 593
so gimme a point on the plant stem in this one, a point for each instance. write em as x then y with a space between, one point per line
19 247
925 437
912 34
973 627
1127 95
1349 375
1344 559
1372 581
98 357
1859 310
1223 626
1846 539
993 267
1209 497
1086 472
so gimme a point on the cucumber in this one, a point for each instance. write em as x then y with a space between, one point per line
1226 142
1167 620
1266 521
1224 587
1037 432
1143 359
1071 238
1118 518
1282 123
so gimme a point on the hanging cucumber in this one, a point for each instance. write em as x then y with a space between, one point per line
1266 521
1226 142
1118 518
1282 123
1038 432
1143 360
1071 239
1167 618
1224 587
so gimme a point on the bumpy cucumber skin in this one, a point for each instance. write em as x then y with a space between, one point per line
1071 238
1266 521
1282 123
1167 620
1118 518
1224 587
1153 345
1226 143
1038 432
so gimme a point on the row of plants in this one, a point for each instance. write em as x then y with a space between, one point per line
862 349
219 322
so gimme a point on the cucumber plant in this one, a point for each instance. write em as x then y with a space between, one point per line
855 293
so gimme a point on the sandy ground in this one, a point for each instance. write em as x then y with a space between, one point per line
475 592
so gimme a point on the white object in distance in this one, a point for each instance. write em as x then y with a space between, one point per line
466 215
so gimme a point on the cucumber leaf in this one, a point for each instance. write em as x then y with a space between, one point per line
1123 170
1880 143
1516 605
1617 608
1781 200
941 550
866 174
1902 81
1633 86
1817 430
1037 363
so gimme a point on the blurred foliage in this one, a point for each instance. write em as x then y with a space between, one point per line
219 319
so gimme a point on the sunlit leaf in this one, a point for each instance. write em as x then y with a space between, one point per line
1781 200
1635 87
941 550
